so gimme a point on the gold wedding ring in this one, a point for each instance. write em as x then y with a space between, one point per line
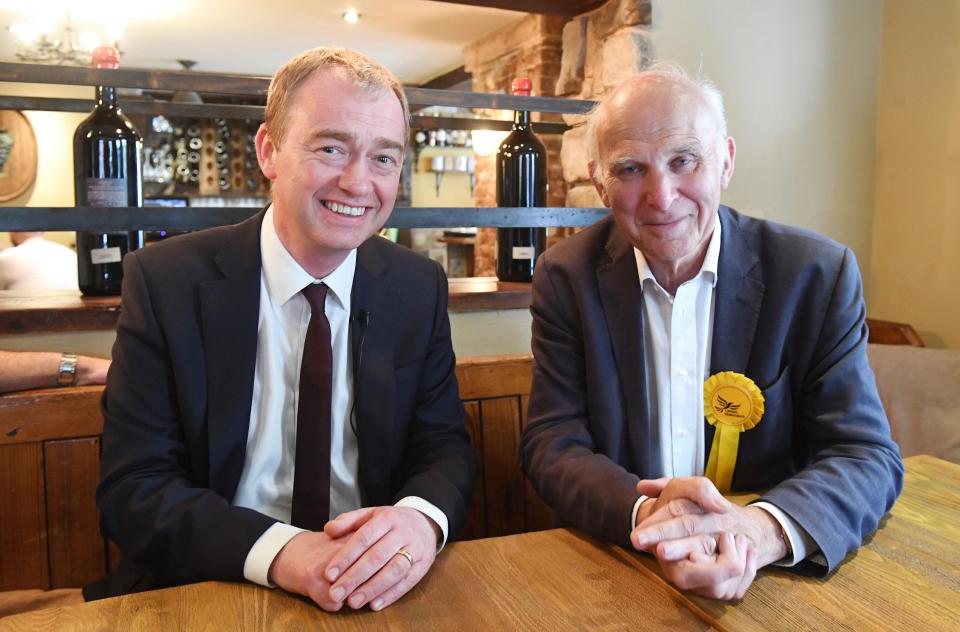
407 555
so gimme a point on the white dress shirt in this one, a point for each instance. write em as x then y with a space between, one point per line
266 483
678 337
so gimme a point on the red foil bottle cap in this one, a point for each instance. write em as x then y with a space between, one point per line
105 57
521 86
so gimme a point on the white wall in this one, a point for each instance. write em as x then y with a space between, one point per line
800 80
914 273
473 334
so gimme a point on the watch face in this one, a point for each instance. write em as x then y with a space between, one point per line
68 370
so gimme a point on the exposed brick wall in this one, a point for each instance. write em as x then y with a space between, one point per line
581 58
600 49
529 47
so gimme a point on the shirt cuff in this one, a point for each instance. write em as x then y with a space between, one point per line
430 511
636 510
800 541
256 567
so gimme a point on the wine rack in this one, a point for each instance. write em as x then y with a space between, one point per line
202 157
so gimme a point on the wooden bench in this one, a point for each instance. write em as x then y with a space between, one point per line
50 452
50 458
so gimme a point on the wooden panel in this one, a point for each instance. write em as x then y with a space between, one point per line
24 313
476 523
495 376
52 413
538 515
477 294
553 580
23 544
76 550
565 8
887 332
503 479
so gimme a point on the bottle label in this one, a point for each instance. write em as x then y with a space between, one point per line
105 255
107 192
524 252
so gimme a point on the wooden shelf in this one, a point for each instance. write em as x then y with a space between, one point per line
95 219
256 86
23 313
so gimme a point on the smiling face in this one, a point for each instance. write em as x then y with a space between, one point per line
661 166
334 177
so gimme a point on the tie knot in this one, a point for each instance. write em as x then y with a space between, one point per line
316 294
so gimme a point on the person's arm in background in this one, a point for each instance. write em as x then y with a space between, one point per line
23 370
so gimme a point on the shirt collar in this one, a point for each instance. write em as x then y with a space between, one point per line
285 277
711 261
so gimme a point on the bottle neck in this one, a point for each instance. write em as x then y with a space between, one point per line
106 97
521 119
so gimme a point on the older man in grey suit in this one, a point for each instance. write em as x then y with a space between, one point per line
683 351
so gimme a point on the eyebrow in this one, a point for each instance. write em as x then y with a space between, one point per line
347 137
692 147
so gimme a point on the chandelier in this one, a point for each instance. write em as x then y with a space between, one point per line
63 47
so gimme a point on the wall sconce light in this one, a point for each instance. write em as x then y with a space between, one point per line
486 142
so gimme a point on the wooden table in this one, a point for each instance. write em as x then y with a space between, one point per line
906 578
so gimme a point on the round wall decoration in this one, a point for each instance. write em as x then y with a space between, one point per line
18 155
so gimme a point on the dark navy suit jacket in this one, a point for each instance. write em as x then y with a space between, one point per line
789 314
177 403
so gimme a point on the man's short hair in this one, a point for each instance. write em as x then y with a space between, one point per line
664 69
366 74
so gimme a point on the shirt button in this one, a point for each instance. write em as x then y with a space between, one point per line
682 433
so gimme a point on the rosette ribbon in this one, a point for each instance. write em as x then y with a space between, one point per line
732 404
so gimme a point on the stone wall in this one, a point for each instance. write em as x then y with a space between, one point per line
600 49
581 58
529 47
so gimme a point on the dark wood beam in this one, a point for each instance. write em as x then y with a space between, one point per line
451 79
99 219
566 8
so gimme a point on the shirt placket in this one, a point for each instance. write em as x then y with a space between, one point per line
683 395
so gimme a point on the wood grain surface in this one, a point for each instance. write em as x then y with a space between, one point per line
906 578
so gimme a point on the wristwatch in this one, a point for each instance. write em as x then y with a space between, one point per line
68 370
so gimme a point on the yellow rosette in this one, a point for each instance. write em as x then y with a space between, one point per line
732 404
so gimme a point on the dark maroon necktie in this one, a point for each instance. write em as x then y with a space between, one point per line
311 477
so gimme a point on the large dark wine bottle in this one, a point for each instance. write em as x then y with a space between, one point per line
106 162
521 181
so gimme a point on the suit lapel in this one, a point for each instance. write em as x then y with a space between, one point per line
369 341
737 305
230 310
620 296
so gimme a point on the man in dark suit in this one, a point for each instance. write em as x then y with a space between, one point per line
290 369
658 332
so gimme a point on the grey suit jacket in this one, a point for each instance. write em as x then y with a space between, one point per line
177 403
789 313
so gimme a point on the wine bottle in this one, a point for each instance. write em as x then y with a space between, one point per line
106 162
521 181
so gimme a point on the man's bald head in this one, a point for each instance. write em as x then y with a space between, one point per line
661 79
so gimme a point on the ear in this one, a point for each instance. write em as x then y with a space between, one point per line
597 182
728 161
266 153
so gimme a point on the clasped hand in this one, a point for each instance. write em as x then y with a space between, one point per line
703 542
356 559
